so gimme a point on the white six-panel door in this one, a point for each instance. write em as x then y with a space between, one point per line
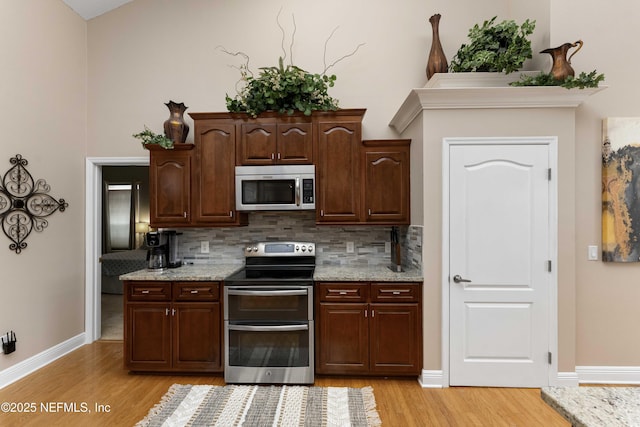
499 264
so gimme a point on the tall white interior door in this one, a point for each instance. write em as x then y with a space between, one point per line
499 264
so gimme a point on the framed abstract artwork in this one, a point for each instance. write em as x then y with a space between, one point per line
621 189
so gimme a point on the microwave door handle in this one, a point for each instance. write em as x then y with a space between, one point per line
297 191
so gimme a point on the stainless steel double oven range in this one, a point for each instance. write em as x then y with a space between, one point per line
268 315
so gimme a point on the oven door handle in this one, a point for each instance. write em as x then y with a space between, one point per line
278 293
278 328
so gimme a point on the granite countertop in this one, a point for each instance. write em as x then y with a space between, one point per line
196 272
380 273
326 273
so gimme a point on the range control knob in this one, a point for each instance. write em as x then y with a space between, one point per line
310 248
304 248
255 249
297 248
248 249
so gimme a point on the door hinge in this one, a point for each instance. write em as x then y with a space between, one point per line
549 174
549 357
549 266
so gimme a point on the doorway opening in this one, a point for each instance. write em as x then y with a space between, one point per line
95 241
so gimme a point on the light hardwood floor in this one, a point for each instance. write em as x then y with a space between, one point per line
94 375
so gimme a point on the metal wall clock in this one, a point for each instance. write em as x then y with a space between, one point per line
25 204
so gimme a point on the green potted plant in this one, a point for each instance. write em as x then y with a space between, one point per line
147 136
495 47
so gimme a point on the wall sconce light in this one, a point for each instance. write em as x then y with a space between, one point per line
25 204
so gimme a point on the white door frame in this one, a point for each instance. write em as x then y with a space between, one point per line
93 237
552 143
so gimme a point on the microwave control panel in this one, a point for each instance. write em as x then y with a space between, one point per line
307 191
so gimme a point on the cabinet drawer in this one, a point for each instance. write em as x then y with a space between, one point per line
196 291
393 291
149 291
343 291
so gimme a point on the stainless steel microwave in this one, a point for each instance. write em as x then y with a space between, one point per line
275 188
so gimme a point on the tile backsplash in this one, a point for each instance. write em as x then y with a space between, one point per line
226 244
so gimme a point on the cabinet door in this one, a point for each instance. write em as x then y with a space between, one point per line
396 344
147 336
343 339
169 187
295 144
197 337
386 185
338 172
257 145
214 183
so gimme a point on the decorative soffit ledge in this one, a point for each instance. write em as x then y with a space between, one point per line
449 98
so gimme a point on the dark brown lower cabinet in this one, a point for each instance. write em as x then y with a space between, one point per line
368 328
172 326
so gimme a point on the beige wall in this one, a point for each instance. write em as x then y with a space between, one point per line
43 75
112 75
607 295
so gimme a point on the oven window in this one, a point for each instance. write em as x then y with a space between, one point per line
269 348
250 304
268 192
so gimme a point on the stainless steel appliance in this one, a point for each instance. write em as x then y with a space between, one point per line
268 316
162 250
279 187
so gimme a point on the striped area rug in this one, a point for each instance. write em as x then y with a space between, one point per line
248 405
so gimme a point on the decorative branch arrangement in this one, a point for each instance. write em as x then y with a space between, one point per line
25 204
284 89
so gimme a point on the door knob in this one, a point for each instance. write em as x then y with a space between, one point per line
459 279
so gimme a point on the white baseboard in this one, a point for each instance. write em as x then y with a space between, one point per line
608 374
566 379
431 379
24 368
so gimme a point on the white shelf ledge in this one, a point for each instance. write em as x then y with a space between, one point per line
446 98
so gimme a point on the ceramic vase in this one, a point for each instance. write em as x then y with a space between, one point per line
437 62
175 127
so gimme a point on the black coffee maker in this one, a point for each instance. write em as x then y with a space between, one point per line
163 250
157 252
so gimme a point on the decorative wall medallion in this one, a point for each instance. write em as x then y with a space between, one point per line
25 204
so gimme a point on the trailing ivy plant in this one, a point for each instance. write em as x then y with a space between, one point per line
583 80
501 47
147 136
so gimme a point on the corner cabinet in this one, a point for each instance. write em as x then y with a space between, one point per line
170 185
172 326
368 328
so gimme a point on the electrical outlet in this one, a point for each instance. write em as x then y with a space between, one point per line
204 247
350 247
592 254
387 247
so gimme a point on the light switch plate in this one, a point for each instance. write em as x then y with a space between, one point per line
350 247
387 247
592 254
204 247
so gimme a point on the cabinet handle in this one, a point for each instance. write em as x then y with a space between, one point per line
373 313
195 291
230 214
173 311
166 311
321 212
273 156
278 156
369 212
395 291
365 314
144 291
185 214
